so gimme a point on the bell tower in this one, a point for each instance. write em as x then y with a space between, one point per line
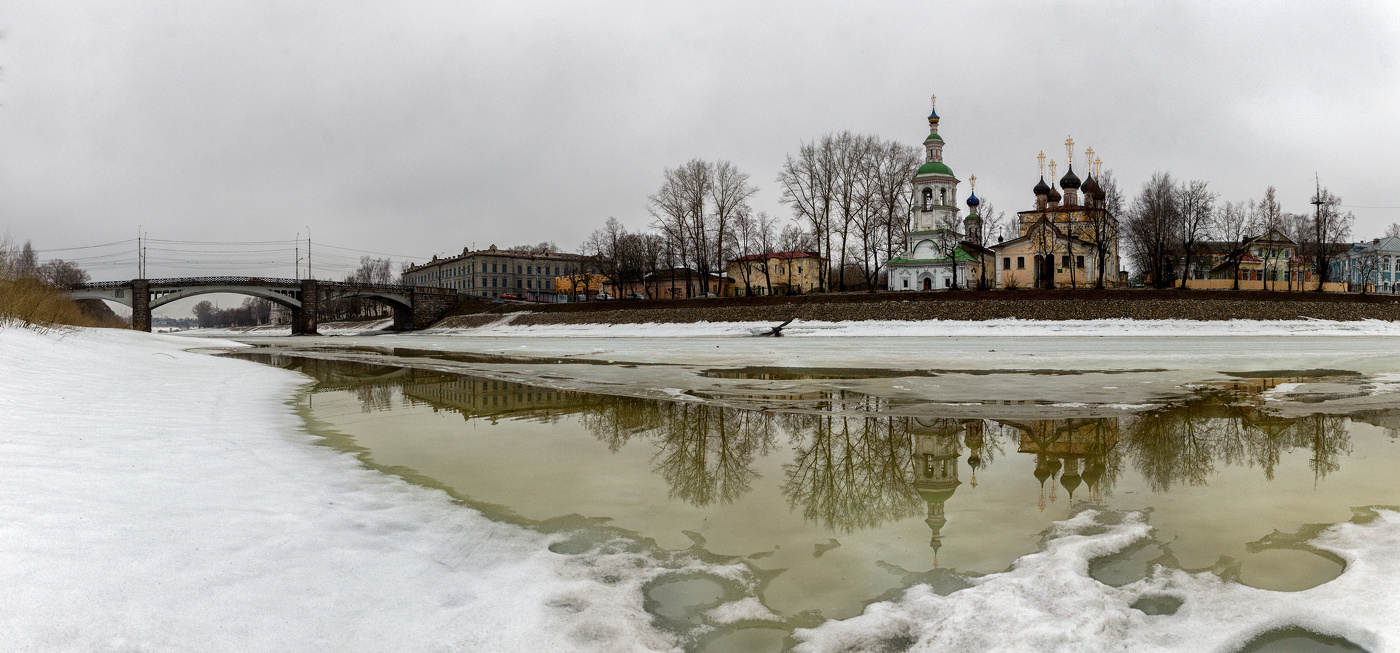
935 187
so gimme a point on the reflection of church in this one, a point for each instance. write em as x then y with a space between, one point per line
1074 450
936 450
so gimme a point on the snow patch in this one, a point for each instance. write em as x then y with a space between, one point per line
154 499
1048 601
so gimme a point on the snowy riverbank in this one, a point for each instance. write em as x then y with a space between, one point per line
153 499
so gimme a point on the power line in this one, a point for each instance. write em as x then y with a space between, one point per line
69 249
1353 206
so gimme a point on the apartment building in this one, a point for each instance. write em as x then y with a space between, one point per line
494 272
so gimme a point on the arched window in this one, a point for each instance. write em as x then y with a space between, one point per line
943 196
928 199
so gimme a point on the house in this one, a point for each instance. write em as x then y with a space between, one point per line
777 273
1370 267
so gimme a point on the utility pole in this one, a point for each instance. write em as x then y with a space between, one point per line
1319 232
296 257
309 275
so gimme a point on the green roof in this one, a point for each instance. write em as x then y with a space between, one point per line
935 168
933 137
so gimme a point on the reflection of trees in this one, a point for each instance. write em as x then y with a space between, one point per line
706 452
1182 445
851 472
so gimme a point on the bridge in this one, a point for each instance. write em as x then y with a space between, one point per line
415 307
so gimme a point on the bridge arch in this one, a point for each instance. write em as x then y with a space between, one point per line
276 296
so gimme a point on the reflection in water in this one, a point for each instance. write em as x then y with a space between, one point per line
850 473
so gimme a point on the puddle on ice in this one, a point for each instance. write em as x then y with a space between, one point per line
1287 570
1297 640
906 499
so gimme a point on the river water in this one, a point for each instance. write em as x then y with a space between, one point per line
844 502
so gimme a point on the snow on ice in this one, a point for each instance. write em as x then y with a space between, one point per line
154 499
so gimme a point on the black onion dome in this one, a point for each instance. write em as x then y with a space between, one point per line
1070 180
1042 188
1090 186
1055 195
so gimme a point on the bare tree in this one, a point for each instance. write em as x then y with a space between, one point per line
1103 226
746 244
681 211
729 195
808 186
1268 217
1393 231
60 273
1195 211
1149 227
1330 228
1232 225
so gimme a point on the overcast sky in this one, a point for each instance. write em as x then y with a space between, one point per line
417 128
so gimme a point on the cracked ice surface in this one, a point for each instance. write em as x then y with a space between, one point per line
153 499
1048 601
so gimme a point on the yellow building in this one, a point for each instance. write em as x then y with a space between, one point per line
579 286
1056 242
778 273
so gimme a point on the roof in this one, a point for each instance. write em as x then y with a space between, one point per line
935 168
777 255
934 137
504 253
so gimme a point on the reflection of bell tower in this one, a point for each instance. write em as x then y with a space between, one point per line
936 456
973 440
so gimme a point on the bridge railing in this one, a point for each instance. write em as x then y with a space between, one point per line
181 281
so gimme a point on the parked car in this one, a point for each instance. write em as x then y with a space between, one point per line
508 296
603 297
635 295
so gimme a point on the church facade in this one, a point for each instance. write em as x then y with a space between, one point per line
1052 246
940 251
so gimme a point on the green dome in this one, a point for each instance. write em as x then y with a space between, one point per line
934 137
935 168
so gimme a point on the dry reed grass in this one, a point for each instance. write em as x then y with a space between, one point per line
32 304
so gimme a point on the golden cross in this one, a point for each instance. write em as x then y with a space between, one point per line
1098 167
1052 170
1041 159
933 101
972 181
1069 149
1089 157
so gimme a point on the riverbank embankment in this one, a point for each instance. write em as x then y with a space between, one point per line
1060 305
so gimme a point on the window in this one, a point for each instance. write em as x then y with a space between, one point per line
517 283
1079 262
799 269
493 267
493 282
943 196
1006 263
906 283
527 285
928 199
517 269
527 269
1020 262
1064 261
